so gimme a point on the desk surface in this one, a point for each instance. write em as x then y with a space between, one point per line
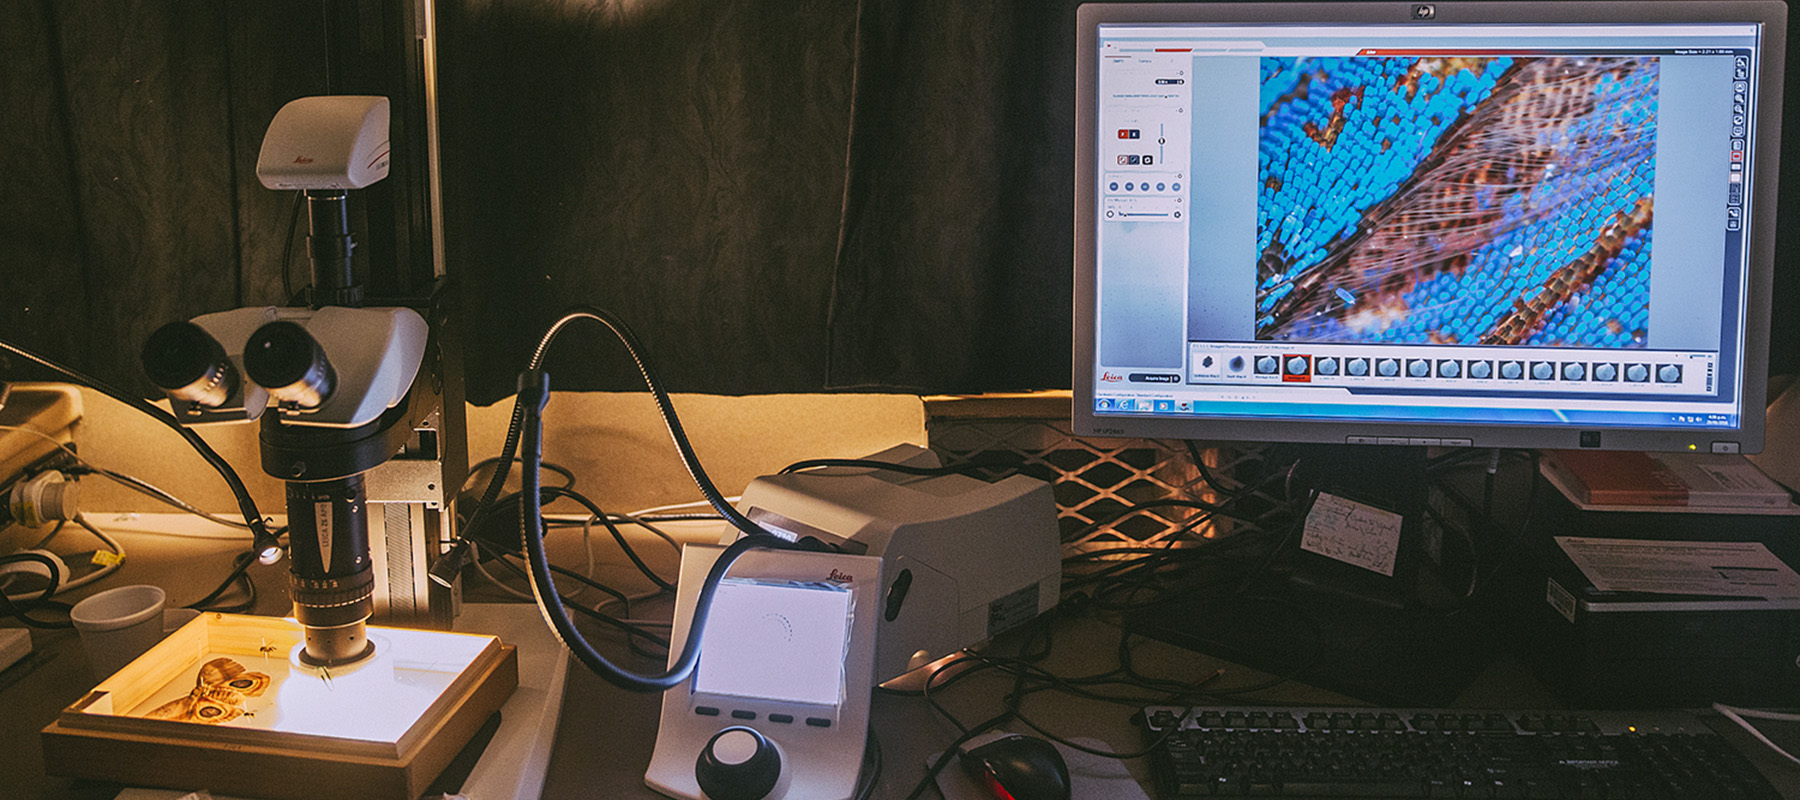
605 736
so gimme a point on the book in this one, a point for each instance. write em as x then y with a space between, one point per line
1631 478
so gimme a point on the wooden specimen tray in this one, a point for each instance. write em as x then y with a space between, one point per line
223 705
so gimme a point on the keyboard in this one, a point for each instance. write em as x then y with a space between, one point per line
1260 751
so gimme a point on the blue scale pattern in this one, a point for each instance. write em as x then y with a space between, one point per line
1318 194
1312 195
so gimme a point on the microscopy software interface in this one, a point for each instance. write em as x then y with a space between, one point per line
1485 224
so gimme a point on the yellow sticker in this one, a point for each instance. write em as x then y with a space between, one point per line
106 558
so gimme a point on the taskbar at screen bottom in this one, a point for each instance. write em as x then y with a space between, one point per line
1176 409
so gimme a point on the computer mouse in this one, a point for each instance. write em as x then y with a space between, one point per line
1018 767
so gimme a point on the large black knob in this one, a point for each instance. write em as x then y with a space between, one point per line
185 361
738 764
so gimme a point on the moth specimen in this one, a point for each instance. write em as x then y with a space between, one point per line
218 696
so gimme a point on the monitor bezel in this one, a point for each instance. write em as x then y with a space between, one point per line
1768 15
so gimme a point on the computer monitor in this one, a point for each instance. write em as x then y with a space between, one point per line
1476 224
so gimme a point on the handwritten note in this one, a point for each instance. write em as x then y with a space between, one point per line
1352 532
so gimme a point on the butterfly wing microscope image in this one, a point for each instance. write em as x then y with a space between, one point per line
1474 200
218 696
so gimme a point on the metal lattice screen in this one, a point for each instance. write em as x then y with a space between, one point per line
1094 479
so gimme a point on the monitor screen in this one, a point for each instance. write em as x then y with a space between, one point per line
1478 224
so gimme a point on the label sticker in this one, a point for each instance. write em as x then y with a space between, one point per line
1560 599
322 528
1728 569
1354 533
1013 609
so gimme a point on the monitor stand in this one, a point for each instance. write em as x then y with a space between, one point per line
1381 654
1391 479
1388 640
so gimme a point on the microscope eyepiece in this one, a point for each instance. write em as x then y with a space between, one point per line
284 359
187 363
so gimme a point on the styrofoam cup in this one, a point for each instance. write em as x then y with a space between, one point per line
118 625
174 618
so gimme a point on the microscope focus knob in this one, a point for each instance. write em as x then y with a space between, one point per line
738 764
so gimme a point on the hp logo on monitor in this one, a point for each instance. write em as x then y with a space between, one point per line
1424 11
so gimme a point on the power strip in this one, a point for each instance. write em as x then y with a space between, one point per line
15 644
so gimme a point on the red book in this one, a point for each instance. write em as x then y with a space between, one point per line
1629 478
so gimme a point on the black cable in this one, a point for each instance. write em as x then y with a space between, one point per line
968 732
871 767
635 632
598 616
1295 529
1052 681
1029 679
950 754
1231 495
21 610
664 406
1162 568
488 544
475 470
534 393
1519 535
244 606
50 566
453 560
287 249
565 572
148 490
944 668
240 564
1169 691
9 610
265 543
504 462
1173 689
554 492
1123 512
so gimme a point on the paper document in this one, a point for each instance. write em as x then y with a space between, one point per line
1732 569
1352 532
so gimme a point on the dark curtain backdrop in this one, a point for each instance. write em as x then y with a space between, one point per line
127 153
777 196
780 195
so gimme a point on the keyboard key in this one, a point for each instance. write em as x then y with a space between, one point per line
1363 752
1353 787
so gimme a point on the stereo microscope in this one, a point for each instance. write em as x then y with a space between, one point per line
348 397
